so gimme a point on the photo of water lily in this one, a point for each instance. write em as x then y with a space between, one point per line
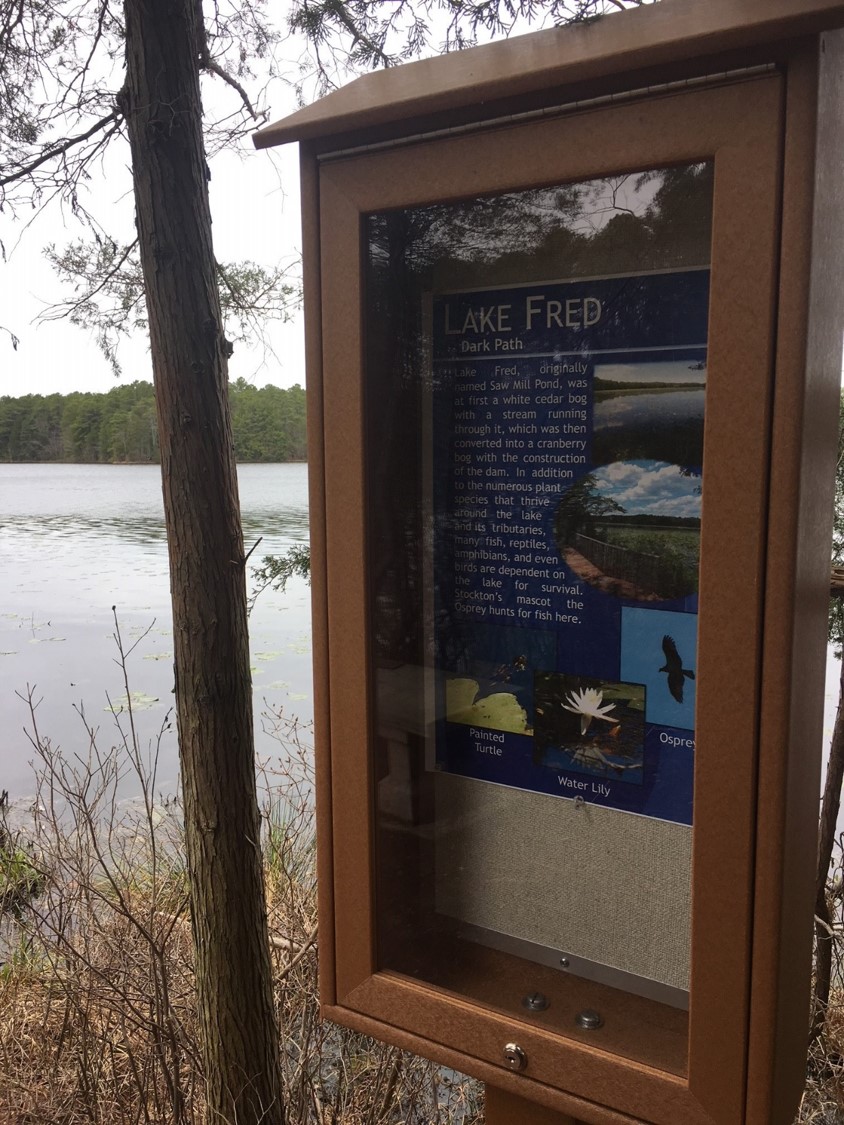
590 726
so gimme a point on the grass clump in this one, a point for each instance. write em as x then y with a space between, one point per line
20 879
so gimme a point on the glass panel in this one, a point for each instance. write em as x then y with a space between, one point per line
535 383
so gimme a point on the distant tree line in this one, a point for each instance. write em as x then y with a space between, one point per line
119 425
602 384
641 519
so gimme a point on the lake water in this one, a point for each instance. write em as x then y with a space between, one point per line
79 539
643 408
663 425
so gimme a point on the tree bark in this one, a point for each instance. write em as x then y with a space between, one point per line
161 102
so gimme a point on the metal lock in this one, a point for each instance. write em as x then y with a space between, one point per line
515 1057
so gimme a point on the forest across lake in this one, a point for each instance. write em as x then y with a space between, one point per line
119 426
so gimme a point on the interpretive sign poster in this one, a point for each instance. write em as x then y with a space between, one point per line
566 489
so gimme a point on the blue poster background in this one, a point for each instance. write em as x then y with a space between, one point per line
566 478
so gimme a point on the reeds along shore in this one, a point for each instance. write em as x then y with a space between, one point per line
97 1010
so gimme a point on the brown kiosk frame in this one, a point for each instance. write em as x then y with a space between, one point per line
754 87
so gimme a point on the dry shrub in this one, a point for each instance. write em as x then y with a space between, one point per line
97 991
823 1097
97 1008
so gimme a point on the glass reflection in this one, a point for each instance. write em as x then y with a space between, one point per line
535 382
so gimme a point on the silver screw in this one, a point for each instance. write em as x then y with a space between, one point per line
589 1019
536 1002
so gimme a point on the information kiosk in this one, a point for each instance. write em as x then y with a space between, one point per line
574 316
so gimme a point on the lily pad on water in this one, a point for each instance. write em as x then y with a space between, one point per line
139 700
632 694
159 656
266 655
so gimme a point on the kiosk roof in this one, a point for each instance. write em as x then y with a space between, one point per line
480 80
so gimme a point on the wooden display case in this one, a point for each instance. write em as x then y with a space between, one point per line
677 167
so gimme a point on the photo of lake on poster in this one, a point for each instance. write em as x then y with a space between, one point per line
650 410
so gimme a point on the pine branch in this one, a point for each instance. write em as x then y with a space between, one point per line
25 170
98 35
207 63
359 36
60 312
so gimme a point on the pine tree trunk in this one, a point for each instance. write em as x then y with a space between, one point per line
161 102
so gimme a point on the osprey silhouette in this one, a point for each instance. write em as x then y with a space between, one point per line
674 667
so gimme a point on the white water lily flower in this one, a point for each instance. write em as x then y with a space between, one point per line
587 704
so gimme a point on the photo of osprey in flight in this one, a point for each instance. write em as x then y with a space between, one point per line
674 667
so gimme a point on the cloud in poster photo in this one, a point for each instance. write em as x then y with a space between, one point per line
650 488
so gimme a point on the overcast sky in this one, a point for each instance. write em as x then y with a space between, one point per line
255 208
